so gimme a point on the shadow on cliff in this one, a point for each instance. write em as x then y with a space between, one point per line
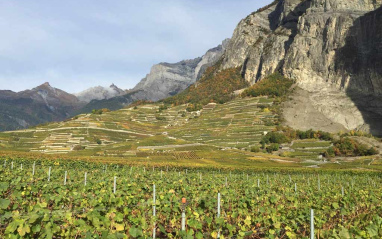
359 63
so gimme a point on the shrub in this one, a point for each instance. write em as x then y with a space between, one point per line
329 153
255 149
349 147
100 111
194 107
268 123
262 106
372 151
158 117
274 137
273 147
78 147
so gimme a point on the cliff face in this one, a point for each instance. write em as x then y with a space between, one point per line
167 79
333 48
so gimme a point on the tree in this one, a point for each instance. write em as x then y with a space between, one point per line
273 147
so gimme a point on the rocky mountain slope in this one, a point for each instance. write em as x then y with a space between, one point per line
333 48
167 79
99 93
39 105
164 80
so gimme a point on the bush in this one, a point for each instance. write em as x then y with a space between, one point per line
372 151
262 106
194 107
162 107
78 147
309 134
329 153
274 137
273 147
268 123
255 149
349 147
158 117
100 111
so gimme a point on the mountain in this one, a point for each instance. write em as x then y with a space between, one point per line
99 93
164 80
115 103
31 107
332 48
310 64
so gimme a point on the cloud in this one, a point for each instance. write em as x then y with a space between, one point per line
79 44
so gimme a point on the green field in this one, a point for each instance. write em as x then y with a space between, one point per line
195 155
255 203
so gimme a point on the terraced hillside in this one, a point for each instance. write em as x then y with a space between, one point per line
163 132
236 124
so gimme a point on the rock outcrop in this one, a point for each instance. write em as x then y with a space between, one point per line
167 79
99 93
332 48
42 104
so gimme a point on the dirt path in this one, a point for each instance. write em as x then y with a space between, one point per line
169 146
71 128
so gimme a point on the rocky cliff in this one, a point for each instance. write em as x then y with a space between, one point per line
42 104
333 48
167 79
99 93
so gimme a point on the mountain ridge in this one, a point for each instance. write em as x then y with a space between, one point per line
99 93
41 104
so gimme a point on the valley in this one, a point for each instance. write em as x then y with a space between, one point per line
275 133
223 134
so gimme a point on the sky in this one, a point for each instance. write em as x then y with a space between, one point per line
77 44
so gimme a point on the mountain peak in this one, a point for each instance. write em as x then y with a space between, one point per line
100 93
45 86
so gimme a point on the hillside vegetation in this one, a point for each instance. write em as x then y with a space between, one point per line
275 85
214 86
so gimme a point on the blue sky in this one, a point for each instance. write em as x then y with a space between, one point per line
77 44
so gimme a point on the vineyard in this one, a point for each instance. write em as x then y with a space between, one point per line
77 199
